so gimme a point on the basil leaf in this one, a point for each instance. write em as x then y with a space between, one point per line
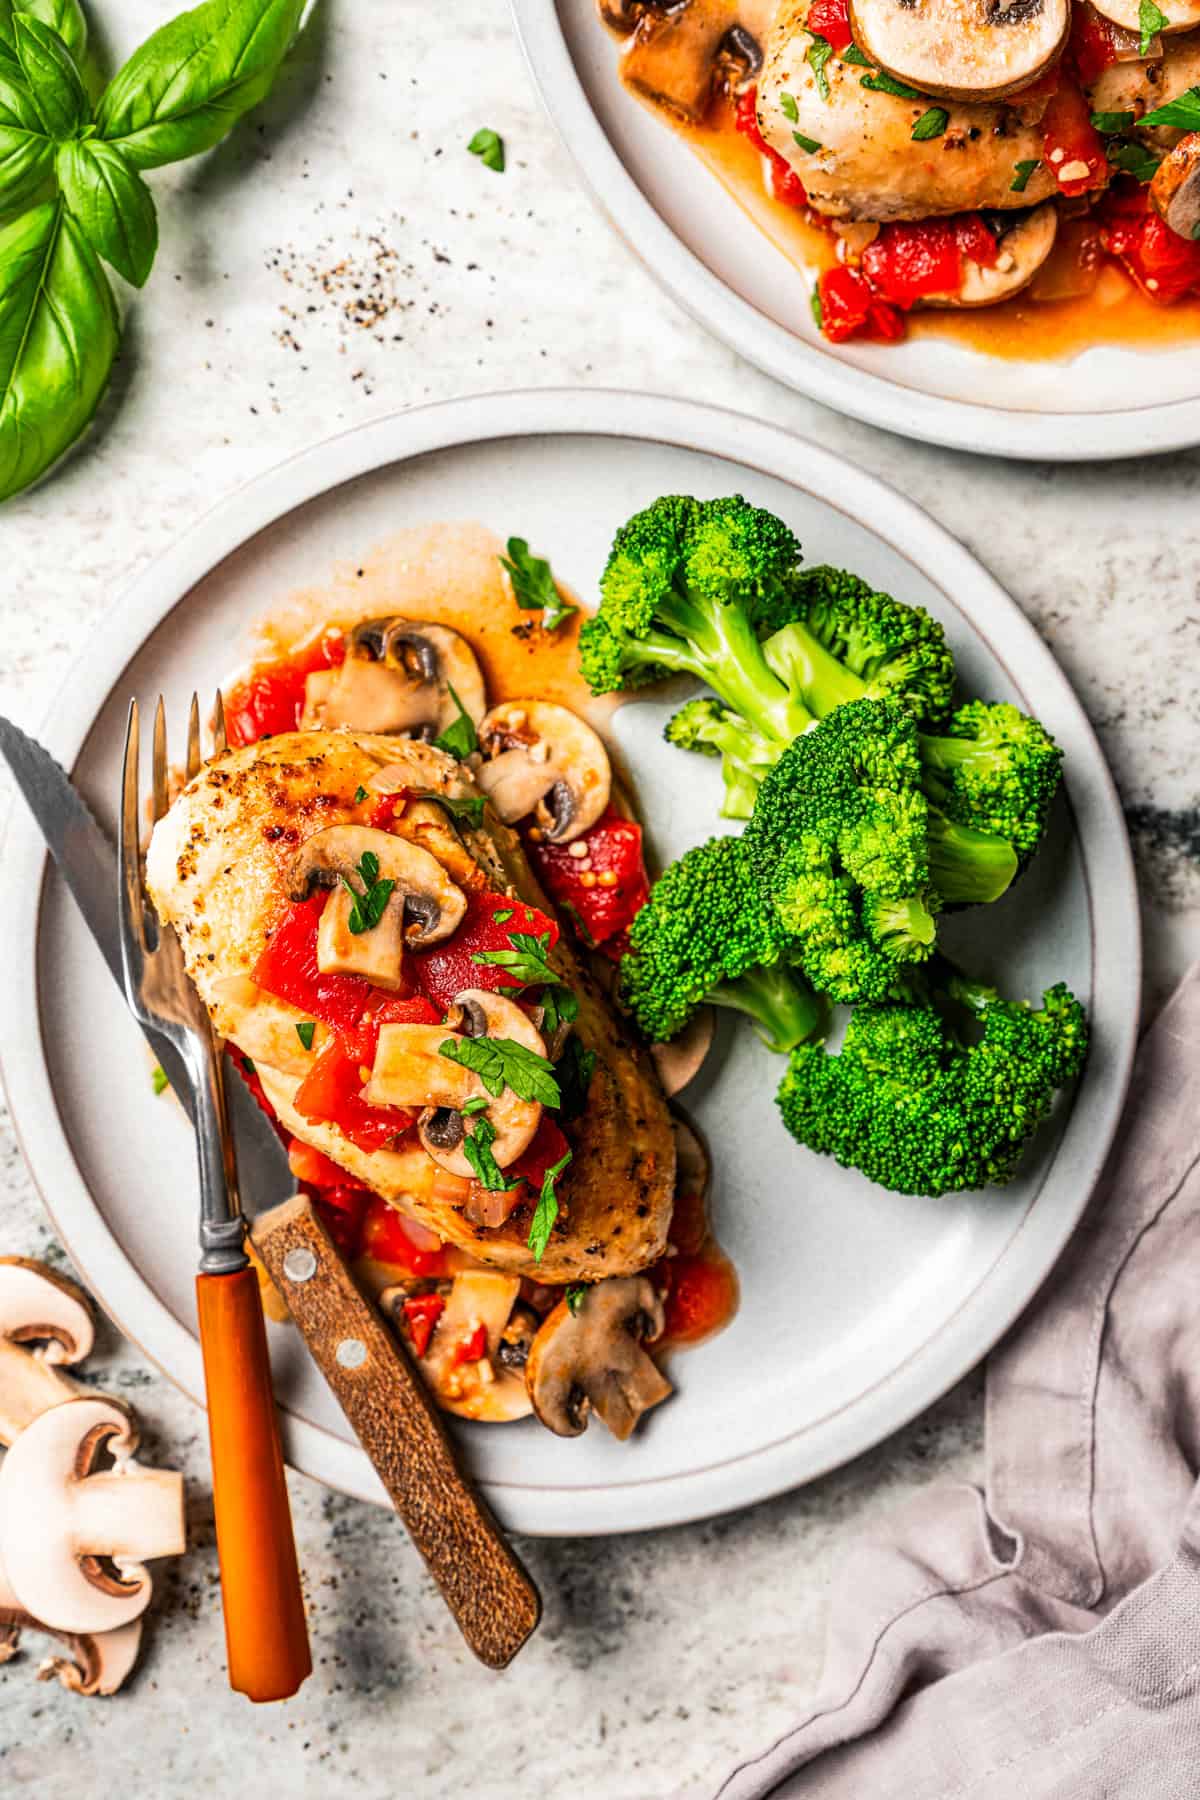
816 56
53 80
881 83
477 1148
546 1210
1183 113
533 584
573 1071
58 339
575 1296
26 151
306 1033
852 54
501 1063
806 143
1111 124
488 145
788 107
525 961
112 203
459 739
64 16
1134 159
191 80
1150 22
931 124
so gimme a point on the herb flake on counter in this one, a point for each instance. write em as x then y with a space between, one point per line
488 146
533 584
1151 20
546 1211
306 1032
501 1063
1023 171
368 906
460 738
931 124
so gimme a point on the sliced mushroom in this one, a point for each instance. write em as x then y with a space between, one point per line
682 1059
46 1326
424 906
442 1127
1020 252
1175 189
409 1069
488 1388
676 54
543 760
981 51
1144 85
397 677
594 1358
74 1539
95 1662
1181 15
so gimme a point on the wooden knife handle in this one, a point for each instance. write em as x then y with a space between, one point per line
266 1635
395 1420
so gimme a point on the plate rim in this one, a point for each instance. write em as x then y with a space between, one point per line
776 351
1006 1288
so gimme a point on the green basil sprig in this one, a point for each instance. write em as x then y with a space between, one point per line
77 170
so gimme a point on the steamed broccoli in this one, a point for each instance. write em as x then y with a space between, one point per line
996 769
689 588
705 725
917 1106
855 860
704 936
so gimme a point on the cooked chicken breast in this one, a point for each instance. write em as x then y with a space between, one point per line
1140 87
217 870
866 165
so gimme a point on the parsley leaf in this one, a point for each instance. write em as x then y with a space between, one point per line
306 1033
525 961
1111 124
501 1063
881 83
559 1007
467 806
1023 170
817 55
931 124
573 1071
1183 113
360 794
579 922
852 54
477 1105
1134 159
488 145
502 917
546 1210
477 1148
368 906
533 584
1150 22
459 739
818 311
806 143
788 107
575 1296
158 1080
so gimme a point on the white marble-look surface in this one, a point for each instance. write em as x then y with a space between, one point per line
342 257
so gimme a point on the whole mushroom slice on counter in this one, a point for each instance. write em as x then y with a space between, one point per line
46 1325
543 761
399 676
490 1388
678 52
980 51
593 1359
1175 188
409 1070
95 1662
1021 249
74 1538
423 907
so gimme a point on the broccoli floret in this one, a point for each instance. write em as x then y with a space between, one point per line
855 859
704 936
847 641
705 725
919 1108
688 588
995 769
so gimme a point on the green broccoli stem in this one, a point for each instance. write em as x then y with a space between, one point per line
809 671
967 867
942 757
904 927
781 1003
731 661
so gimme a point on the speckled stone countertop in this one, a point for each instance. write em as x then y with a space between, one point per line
339 258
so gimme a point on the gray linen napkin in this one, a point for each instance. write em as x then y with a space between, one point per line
1042 1640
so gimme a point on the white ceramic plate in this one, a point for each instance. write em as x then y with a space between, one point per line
858 1307
695 239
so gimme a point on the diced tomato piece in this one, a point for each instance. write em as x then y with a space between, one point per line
701 1296
312 1168
421 1314
548 1147
830 19
342 1210
608 886
1072 148
472 1347
785 184
383 809
1165 266
488 926
288 969
387 1238
270 698
851 308
1094 41
975 242
907 261
331 1094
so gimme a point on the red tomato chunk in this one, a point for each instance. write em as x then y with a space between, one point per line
1073 148
270 699
601 877
830 19
785 184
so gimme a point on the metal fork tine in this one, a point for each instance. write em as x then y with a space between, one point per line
194 758
158 765
220 739
133 923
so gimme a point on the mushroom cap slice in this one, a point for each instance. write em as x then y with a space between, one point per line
46 1325
1140 87
1181 15
425 905
1175 189
545 760
674 51
74 1539
442 1128
1020 252
593 1359
962 49
397 677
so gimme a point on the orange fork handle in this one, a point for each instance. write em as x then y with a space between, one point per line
266 1634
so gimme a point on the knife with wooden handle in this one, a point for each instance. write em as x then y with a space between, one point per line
395 1420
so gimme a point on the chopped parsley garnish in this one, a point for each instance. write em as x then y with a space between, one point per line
477 1148
818 311
459 806
459 739
931 124
525 961
502 917
852 54
806 143
471 1107
1134 159
360 794
559 1007
501 1063
1151 20
788 107
579 922
533 584
1111 124
368 906
816 56
1023 171
881 83
1183 113
306 1032
573 1072
488 145
158 1080
575 1296
546 1210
